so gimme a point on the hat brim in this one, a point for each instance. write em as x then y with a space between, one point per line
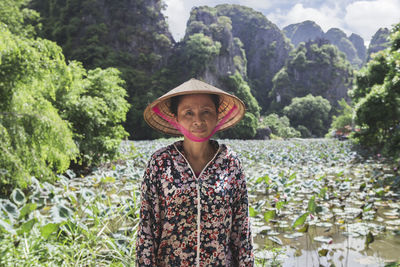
193 86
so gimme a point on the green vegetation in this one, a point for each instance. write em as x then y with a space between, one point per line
241 89
199 51
53 113
245 129
300 189
343 120
265 46
309 115
315 68
279 126
35 140
133 39
18 18
376 97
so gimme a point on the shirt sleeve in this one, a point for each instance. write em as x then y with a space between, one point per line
241 239
148 235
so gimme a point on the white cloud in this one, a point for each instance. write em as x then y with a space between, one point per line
178 11
177 15
326 17
365 18
256 4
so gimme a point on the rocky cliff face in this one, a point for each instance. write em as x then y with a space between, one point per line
317 68
131 35
303 32
338 37
359 45
265 45
250 45
231 57
91 30
309 30
378 42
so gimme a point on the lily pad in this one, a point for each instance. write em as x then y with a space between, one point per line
276 240
293 235
262 230
18 197
323 239
393 222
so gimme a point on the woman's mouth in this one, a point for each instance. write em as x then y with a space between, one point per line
199 130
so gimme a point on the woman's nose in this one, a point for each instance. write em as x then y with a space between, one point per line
198 119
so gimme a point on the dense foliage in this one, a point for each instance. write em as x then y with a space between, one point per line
316 68
279 126
344 120
96 108
265 45
53 113
376 96
35 140
247 127
379 41
309 115
199 50
19 19
300 189
129 35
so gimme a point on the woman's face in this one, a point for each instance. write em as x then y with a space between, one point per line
197 114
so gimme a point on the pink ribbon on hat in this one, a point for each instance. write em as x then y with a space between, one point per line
186 133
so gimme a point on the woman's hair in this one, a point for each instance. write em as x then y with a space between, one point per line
174 103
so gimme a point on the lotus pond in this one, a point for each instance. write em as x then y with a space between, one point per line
314 202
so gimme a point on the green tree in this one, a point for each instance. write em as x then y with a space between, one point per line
235 83
316 68
132 36
35 140
245 129
18 18
377 100
311 112
199 50
280 126
343 119
52 113
96 108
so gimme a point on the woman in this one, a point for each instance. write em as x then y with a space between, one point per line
194 192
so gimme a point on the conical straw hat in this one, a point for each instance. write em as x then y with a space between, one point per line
193 86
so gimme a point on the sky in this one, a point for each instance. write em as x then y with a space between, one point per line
363 17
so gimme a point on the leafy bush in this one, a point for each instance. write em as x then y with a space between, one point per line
19 19
96 109
235 83
35 140
52 112
377 100
310 112
344 118
199 50
245 129
280 126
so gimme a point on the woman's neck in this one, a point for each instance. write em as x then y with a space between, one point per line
198 150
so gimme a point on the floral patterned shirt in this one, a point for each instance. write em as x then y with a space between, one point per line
181 212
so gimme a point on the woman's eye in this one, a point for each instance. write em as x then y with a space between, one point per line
189 113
